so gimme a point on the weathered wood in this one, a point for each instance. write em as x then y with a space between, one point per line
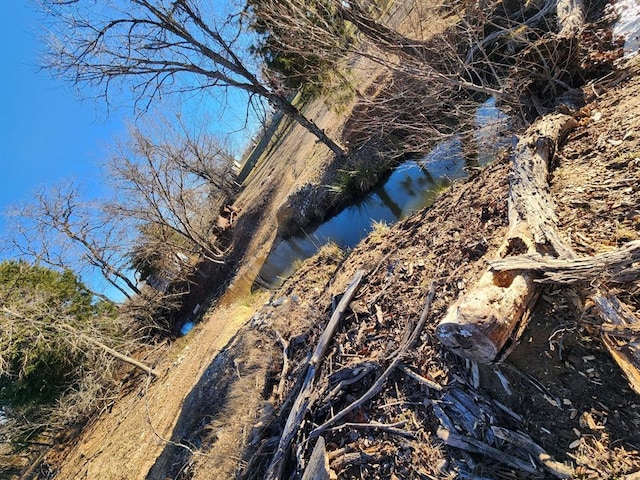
303 399
379 383
449 437
530 200
619 265
487 319
524 442
318 466
626 352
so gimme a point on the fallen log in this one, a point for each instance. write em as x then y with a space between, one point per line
485 321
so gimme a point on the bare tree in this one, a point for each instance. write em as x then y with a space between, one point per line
160 46
171 184
421 90
61 230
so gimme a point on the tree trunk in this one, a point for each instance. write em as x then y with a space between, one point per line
291 110
483 323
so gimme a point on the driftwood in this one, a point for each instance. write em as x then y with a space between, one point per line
318 467
625 351
483 323
303 400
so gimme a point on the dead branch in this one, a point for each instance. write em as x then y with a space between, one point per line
498 34
391 428
303 399
557 469
475 446
114 353
377 386
419 378
620 265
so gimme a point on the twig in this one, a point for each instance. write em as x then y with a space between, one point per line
285 364
377 386
359 372
419 378
391 428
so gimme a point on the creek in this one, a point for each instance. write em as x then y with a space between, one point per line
414 184
410 187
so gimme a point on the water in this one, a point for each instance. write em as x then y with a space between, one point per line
187 327
628 25
411 187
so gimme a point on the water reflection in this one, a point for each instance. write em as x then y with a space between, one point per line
411 187
628 24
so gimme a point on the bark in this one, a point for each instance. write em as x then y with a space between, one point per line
620 265
483 323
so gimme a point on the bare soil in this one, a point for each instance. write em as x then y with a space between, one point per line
217 411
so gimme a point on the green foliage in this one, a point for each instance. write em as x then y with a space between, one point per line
42 311
359 179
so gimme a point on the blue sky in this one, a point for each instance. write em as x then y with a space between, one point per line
46 133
